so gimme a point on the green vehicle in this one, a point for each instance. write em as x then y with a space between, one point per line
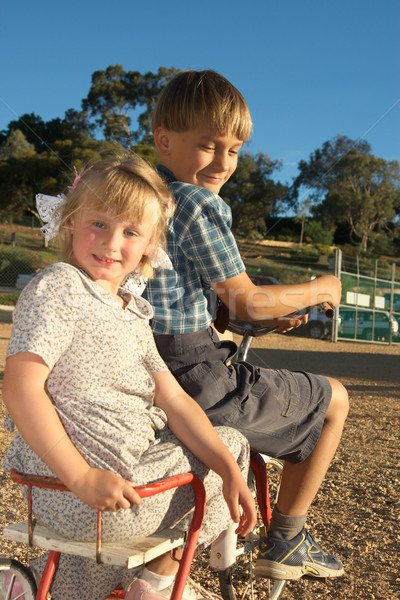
365 324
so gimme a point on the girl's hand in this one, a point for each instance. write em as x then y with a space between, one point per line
241 504
104 490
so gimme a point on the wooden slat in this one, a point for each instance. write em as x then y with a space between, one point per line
127 553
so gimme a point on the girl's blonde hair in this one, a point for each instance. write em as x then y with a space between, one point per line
202 98
128 188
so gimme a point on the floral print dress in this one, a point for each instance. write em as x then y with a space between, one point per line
101 358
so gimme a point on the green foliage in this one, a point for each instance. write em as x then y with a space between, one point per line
286 236
308 254
324 249
16 144
316 233
9 299
324 166
147 152
116 94
350 191
284 270
42 135
22 176
350 185
283 229
16 261
253 195
363 196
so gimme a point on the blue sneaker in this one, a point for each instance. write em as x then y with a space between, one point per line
279 558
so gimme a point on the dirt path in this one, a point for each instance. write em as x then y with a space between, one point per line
355 514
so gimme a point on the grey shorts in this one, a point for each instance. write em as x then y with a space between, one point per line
280 412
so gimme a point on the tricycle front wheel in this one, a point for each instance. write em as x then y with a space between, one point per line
16 581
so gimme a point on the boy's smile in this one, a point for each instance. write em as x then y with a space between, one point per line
198 155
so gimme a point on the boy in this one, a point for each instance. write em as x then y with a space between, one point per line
200 123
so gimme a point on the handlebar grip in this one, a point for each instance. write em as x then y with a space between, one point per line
327 309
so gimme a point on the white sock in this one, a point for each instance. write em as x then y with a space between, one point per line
156 581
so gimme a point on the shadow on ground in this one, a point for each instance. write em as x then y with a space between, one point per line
375 367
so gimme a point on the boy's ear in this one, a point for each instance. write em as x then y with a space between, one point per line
162 140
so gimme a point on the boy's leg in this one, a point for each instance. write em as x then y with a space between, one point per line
289 551
301 481
290 415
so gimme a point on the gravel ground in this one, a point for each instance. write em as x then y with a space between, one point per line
355 514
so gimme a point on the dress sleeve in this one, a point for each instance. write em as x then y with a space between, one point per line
46 314
207 239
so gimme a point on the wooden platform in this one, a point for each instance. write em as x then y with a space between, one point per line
128 553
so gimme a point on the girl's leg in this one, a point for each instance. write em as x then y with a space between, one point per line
159 574
165 565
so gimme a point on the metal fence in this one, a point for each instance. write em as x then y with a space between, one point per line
370 306
369 310
21 252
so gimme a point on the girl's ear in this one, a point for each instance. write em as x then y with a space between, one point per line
149 249
162 140
69 226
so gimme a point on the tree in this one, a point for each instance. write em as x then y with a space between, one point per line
350 185
364 195
316 233
302 216
32 126
16 143
324 166
42 134
252 194
23 175
116 96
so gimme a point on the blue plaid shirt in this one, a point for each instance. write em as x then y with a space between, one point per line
203 250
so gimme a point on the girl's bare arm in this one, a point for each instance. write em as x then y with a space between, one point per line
39 424
192 427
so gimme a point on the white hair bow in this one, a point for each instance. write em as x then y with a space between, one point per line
49 209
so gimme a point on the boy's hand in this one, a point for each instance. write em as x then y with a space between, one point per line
329 290
285 324
241 504
105 490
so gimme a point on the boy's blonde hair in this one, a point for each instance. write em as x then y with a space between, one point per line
202 98
128 188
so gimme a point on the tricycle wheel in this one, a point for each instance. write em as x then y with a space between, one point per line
272 587
16 581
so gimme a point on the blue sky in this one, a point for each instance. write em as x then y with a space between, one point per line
309 69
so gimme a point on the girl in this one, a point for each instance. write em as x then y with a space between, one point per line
94 403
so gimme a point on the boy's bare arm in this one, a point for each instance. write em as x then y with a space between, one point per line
249 302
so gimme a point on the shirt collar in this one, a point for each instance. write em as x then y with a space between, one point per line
130 294
166 174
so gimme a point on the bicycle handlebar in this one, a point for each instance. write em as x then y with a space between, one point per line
254 330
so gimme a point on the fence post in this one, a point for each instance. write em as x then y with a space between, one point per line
338 273
391 307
